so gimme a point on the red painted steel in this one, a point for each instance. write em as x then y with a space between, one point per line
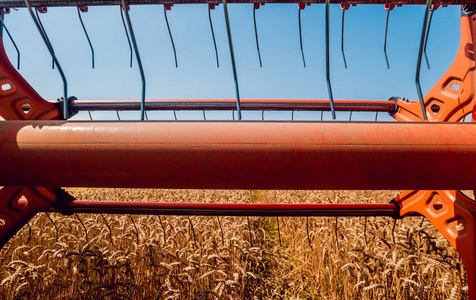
238 155
36 3
230 104
233 209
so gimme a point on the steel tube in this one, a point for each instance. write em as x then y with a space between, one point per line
238 155
228 104
51 3
233 209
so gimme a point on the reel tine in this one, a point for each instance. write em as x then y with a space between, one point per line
127 33
29 233
40 28
90 117
163 228
307 232
166 8
328 72
2 13
139 62
118 117
43 10
84 9
52 222
365 229
433 8
301 6
337 239
82 224
393 230
255 7
210 7
279 233
232 56
108 227
137 230
420 52
376 116
192 229
221 230
388 8
249 230
344 7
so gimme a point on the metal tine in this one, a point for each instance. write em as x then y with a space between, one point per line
166 8
137 230
221 230
433 8
44 10
376 116
118 117
328 72
301 6
55 60
393 229
84 9
337 239
127 33
136 50
307 231
90 117
279 233
344 7
210 7
85 229
109 227
255 7
2 13
52 222
365 229
163 228
262 115
232 56
192 229
29 233
420 52
388 8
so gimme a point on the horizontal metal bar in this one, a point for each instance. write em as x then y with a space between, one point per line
233 209
51 3
239 155
227 104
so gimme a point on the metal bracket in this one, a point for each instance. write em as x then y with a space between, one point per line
454 215
18 100
450 100
452 97
19 204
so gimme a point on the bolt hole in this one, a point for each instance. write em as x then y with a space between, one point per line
459 227
437 205
6 87
23 201
435 109
26 108
455 87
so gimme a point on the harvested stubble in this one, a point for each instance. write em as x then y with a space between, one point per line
174 257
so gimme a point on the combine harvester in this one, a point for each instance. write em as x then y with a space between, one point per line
428 154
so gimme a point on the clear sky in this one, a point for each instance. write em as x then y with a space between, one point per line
282 75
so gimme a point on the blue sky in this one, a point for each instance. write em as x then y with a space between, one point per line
282 75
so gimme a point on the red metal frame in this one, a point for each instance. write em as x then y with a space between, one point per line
451 98
451 145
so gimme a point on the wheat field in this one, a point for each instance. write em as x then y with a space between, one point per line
89 256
